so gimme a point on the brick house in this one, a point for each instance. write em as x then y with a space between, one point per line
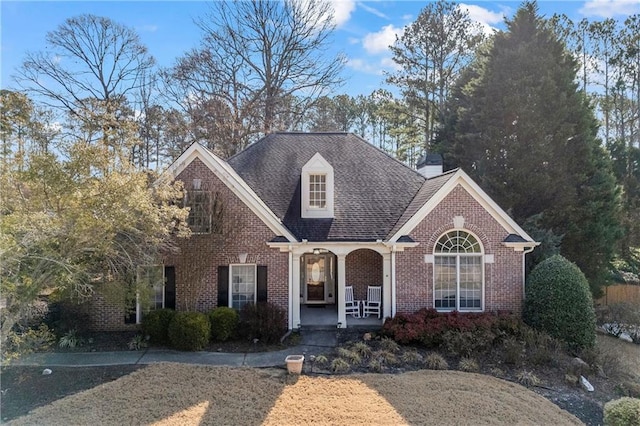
296 218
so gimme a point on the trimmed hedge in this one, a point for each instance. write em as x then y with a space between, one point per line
155 324
189 331
559 302
224 322
263 321
430 328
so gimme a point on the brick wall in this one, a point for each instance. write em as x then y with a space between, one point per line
197 262
363 268
503 278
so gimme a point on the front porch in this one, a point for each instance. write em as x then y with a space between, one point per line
320 277
327 316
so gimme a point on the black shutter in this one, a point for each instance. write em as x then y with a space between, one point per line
262 283
170 287
223 286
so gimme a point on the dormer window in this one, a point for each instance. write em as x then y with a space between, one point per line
317 191
317 188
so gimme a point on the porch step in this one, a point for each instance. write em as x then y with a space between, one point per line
318 337
319 327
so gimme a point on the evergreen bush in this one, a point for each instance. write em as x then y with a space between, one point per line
263 321
558 301
622 412
224 322
155 324
189 331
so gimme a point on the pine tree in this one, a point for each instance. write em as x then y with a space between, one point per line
519 125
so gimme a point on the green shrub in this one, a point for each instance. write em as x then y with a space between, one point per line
137 343
435 361
224 323
26 342
155 324
469 365
466 343
622 412
527 378
412 357
340 365
71 339
263 321
558 301
189 331
629 388
352 357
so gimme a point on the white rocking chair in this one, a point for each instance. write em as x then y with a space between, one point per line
352 307
373 304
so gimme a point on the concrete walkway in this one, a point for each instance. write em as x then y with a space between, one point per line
312 343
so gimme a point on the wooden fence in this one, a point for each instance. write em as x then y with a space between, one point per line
620 293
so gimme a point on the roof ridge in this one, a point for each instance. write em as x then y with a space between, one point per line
388 155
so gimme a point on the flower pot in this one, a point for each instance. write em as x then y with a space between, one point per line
294 363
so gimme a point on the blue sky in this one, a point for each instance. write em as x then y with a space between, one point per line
364 28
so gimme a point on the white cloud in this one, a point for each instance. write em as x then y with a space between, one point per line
407 17
374 68
363 66
342 10
389 64
610 8
380 41
482 16
372 10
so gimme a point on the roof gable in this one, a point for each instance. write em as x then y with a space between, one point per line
235 182
441 186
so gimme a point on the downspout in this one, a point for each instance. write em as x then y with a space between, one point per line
524 280
290 287
393 281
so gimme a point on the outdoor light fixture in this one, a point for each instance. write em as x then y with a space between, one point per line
316 251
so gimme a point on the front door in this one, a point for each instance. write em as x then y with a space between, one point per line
318 279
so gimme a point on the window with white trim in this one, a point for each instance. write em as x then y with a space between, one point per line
458 272
242 285
317 180
150 285
317 191
199 203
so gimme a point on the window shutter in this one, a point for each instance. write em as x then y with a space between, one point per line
262 283
223 286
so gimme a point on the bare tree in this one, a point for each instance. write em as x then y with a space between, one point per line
88 59
258 55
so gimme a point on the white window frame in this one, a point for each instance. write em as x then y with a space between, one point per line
139 310
317 165
255 281
458 256
200 221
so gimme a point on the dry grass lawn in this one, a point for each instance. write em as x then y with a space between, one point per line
619 355
176 394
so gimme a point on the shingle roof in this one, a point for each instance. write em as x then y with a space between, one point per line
372 189
513 238
424 194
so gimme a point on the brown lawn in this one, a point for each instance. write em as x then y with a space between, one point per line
176 394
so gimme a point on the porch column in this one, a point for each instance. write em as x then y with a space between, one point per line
387 295
342 277
295 292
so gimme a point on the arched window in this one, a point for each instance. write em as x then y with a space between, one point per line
458 272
